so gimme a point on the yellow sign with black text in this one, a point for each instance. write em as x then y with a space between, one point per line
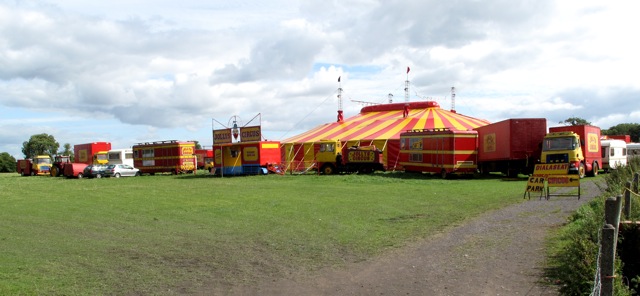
535 184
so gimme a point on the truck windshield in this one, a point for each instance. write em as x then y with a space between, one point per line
562 143
44 161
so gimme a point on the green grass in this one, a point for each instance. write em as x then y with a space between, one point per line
172 234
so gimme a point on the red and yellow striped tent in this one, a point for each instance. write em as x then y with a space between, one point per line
378 125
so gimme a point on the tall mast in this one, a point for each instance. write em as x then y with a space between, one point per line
453 99
340 116
405 112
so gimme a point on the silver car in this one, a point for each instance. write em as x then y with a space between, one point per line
121 170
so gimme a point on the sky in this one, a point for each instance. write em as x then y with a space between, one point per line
137 71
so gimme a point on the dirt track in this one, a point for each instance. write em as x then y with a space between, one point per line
498 253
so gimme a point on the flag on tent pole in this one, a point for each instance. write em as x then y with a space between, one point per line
339 78
408 69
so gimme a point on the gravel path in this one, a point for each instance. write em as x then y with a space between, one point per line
498 253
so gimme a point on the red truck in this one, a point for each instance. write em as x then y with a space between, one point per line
439 151
247 158
164 157
204 158
578 145
92 153
39 165
511 146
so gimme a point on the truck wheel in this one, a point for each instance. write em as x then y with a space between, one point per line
444 174
327 169
80 176
594 170
581 171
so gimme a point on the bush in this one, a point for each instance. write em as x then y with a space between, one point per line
574 251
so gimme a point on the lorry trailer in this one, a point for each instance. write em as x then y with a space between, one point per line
439 151
91 153
164 157
511 146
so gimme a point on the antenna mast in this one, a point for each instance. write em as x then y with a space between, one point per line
405 112
453 99
340 116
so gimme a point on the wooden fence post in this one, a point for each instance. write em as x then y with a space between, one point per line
612 211
608 243
636 179
627 200
607 257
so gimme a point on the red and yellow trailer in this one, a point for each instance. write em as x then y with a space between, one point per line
247 158
91 153
164 157
439 151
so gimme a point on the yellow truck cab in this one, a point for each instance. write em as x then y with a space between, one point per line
579 146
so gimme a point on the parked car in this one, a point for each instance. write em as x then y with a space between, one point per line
94 171
124 170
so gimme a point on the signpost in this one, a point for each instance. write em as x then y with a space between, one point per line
546 176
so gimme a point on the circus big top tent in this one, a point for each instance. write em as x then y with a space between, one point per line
378 125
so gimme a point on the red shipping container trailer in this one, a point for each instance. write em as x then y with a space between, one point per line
88 153
247 158
439 151
511 146
164 157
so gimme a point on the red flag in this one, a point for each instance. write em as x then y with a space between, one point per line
408 70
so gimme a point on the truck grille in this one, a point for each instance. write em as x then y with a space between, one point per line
558 158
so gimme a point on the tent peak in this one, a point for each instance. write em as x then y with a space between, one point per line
400 106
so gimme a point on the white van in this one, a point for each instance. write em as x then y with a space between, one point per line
614 154
120 156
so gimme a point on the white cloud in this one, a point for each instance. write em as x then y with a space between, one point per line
167 67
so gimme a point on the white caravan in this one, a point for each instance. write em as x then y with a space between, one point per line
633 150
120 156
614 154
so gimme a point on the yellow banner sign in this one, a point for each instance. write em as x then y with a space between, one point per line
551 169
222 136
250 134
563 181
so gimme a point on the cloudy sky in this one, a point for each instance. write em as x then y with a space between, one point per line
130 71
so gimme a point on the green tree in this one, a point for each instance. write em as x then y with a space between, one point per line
632 129
575 121
67 151
7 163
41 144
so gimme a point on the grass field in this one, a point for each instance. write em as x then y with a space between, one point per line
173 234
